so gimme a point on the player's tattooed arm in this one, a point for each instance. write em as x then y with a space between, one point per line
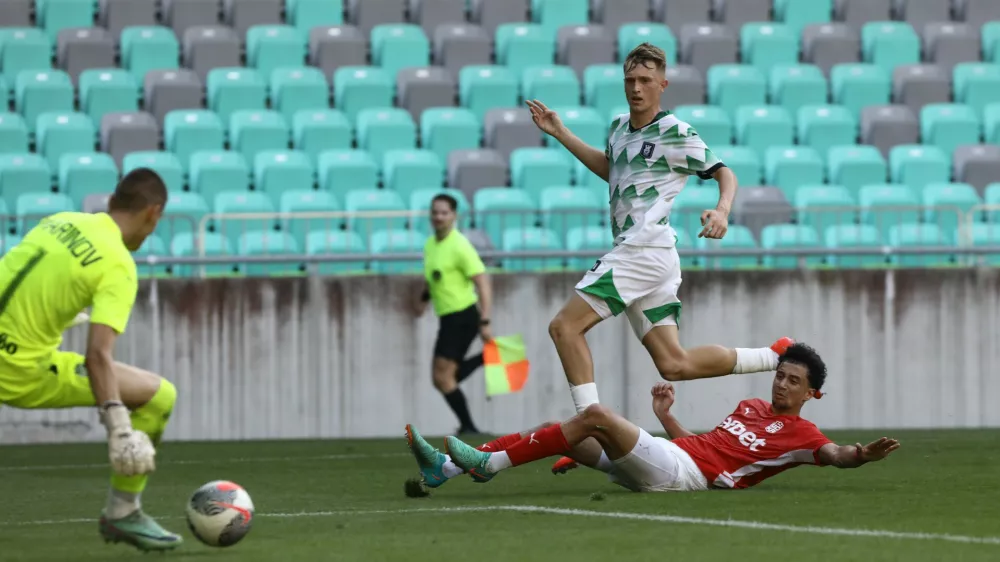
853 456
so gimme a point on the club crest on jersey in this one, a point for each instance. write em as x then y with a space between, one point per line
774 427
647 149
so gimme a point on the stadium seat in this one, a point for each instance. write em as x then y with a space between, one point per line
104 91
947 204
55 15
712 123
602 88
366 14
359 201
210 46
555 14
791 166
491 15
690 203
889 44
457 45
846 236
523 45
731 86
580 46
977 85
60 133
916 85
948 126
797 14
857 86
594 239
555 86
855 167
23 48
382 130
398 46
992 198
983 235
757 207
947 44
429 14
976 11
209 244
531 239
84 174
482 88
788 237
337 46
887 126
235 89
396 241
243 15
978 165
251 132
359 88
825 126
13 134
334 242
22 174
419 89
169 90
181 15
189 131
122 133
564 208
420 204
16 13
445 129
631 35
763 127
31 208
823 206
165 164
767 45
182 215
38 92
307 14
991 123
270 47
678 14
585 123
921 12
469 170
211 173
268 243
687 87
737 237
507 130
886 205
296 89
918 165
405 171
704 45
500 208
84 48
153 245
920 235
742 160
145 48
830 44
796 86
278 171
242 203
990 44
859 12
343 170
316 131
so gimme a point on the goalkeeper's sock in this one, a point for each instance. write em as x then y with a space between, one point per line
150 418
756 360
500 444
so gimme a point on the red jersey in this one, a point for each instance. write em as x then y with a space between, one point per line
753 444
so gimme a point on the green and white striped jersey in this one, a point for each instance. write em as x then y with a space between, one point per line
648 168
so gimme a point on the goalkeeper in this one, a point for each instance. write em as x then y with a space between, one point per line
69 262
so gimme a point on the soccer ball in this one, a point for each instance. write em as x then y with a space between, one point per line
220 513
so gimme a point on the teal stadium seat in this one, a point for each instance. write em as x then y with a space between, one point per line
948 126
316 131
386 209
7 241
278 171
564 208
947 204
482 88
297 89
314 203
55 15
712 123
602 86
31 208
13 134
500 208
553 14
798 14
762 127
343 170
586 178
855 86
790 236
976 84
631 35
385 129
767 45
333 242
523 45
983 235
41 91
269 243
991 123
742 160
825 126
991 41
846 236
823 206
107 90
889 44
87 173
791 166
531 239
182 215
356 88
918 165
165 164
920 235
188 131
145 48
534 169
690 203
992 198
397 241
210 244
242 203
886 205
855 167
420 204
595 239
396 46
23 48
270 47
61 133
731 86
212 172
683 241
737 237
252 132
555 86
235 89
307 14
21 174
795 86
405 171
152 246
585 123
444 129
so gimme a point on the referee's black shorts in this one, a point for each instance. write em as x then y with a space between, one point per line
456 333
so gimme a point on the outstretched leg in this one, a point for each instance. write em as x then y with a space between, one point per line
675 363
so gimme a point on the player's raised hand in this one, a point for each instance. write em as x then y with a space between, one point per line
663 396
130 451
878 450
715 223
546 119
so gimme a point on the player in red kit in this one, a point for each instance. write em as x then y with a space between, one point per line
757 441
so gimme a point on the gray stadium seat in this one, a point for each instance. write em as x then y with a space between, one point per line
829 44
429 14
182 14
469 170
490 14
757 207
579 46
422 88
208 47
96 203
80 48
977 12
947 44
860 12
705 45
507 129
333 47
736 13
686 87
15 13
241 15
919 84
366 14
885 126
482 243
921 12
679 14
977 165
122 133
116 15
461 44
167 90
612 14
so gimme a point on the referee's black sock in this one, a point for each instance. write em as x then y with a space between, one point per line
456 400
469 366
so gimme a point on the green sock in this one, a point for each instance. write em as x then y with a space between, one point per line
150 418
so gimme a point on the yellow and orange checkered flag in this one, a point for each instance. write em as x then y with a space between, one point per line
506 365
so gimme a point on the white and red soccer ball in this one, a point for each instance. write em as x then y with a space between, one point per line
220 513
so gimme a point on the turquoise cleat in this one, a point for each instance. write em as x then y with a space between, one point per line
138 530
430 460
469 459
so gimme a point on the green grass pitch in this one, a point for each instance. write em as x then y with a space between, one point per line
933 500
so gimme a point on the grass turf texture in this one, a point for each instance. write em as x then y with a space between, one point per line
345 500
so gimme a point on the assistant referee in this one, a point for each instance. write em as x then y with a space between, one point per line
454 275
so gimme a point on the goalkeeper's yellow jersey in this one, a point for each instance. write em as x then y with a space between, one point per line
69 262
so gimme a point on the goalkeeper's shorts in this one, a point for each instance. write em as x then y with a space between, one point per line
60 382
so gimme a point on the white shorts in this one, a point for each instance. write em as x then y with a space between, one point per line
657 465
641 281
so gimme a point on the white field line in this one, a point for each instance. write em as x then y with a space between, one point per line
700 521
238 460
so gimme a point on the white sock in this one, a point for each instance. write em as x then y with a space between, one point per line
449 468
584 395
604 464
121 504
499 461
756 360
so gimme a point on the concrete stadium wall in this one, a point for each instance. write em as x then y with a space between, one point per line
345 357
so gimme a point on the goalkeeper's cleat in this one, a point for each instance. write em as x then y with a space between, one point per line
469 459
429 460
781 346
138 530
564 465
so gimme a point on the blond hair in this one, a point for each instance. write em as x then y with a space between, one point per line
646 54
